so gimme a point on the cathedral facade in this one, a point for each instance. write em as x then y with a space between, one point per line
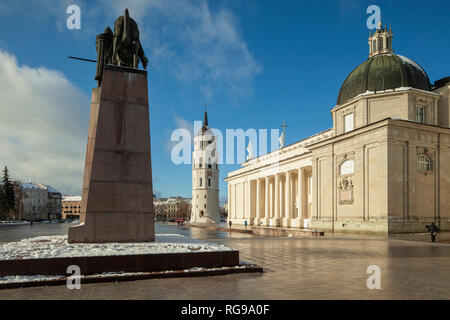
384 166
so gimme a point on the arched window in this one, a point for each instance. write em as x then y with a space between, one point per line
380 44
374 45
347 167
423 163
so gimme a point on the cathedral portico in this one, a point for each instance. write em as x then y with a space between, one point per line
274 199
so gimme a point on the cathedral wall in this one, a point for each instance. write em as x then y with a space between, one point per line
418 195
444 105
430 102
352 198
324 188
388 190
371 108
390 106
444 181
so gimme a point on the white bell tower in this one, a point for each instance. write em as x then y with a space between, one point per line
205 177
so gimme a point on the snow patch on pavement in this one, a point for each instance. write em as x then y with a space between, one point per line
21 279
58 247
35 278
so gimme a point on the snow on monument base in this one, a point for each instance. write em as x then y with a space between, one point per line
117 200
52 255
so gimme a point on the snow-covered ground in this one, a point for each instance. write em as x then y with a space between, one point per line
36 278
13 223
22 279
58 247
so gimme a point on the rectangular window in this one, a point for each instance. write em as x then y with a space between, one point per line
420 116
201 182
348 122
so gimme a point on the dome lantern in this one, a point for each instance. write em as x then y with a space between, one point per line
380 41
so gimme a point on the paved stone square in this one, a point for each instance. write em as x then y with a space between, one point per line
314 268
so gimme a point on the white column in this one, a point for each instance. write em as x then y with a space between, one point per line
235 207
287 198
229 201
248 199
282 197
258 199
276 219
243 200
300 198
277 196
266 199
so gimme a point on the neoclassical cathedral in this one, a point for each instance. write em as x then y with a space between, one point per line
205 177
384 166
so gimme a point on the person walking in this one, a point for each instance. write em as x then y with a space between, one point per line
433 230
230 223
245 224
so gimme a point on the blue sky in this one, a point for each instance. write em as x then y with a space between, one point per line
256 63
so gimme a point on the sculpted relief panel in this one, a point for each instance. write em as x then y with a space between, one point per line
346 171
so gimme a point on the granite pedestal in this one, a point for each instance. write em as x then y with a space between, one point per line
117 199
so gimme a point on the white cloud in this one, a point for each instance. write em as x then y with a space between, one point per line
187 39
184 124
180 123
42 128
193 43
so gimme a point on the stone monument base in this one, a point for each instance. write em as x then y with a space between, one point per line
117 199
122 263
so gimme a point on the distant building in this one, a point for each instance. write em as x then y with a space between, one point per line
172 208
54 204
71 207
35 201
39 202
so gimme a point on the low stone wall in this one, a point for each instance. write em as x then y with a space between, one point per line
375 227
417 226
125 263
285 232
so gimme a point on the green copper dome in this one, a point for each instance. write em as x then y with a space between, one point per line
383 72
